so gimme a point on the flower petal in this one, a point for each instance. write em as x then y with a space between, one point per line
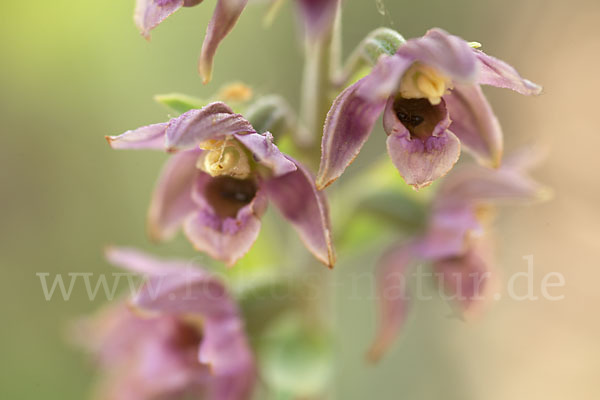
420 161
347 127
475 124
296 196
147 137
474 184
214 121
224 238
172 198
467 277
448 231
226 350
318 15
266 152
184 288
149 13
223 20
497 73
392 296
447 53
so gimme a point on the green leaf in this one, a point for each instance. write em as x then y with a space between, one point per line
179 102
296 360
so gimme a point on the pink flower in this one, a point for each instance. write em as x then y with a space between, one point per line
454 243
181 336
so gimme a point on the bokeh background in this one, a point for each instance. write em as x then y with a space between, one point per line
74 71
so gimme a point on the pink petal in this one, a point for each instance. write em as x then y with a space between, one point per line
172 198
467 277
266 153
224 238
149 13
420 161
497 73
347 127
147 137
296 196
214 121
475 124
223 20
393 298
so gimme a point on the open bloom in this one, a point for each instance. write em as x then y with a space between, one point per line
317 14
217 184
430 96
180 337
454 243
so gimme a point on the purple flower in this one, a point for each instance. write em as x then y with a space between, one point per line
318 16
454 243
217 184
181 337
429 92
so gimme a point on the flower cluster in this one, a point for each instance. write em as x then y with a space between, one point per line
185 333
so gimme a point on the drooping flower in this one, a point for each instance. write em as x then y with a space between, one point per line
455 243
430 95
317 14
180 337
219 181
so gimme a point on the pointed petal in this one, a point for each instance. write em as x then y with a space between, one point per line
392 296
296 196
223 20
420 161
347 127
149 13
172 198
447 53
475 124
468 276
318 15
224 238
215 121
497 73
474 184
174 286
385 77
266 152
147 137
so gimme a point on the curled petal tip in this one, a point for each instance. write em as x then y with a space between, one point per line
536 89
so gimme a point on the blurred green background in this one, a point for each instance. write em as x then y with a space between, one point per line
72 72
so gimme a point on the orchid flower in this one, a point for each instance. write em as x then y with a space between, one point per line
180 337
317 14
430 95
219 181
454 243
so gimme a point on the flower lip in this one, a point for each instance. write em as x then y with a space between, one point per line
418 116
227 195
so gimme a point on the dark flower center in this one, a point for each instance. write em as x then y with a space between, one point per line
228 195
418 116
187 336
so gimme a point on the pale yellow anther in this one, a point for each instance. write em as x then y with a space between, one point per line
224 158
423 82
